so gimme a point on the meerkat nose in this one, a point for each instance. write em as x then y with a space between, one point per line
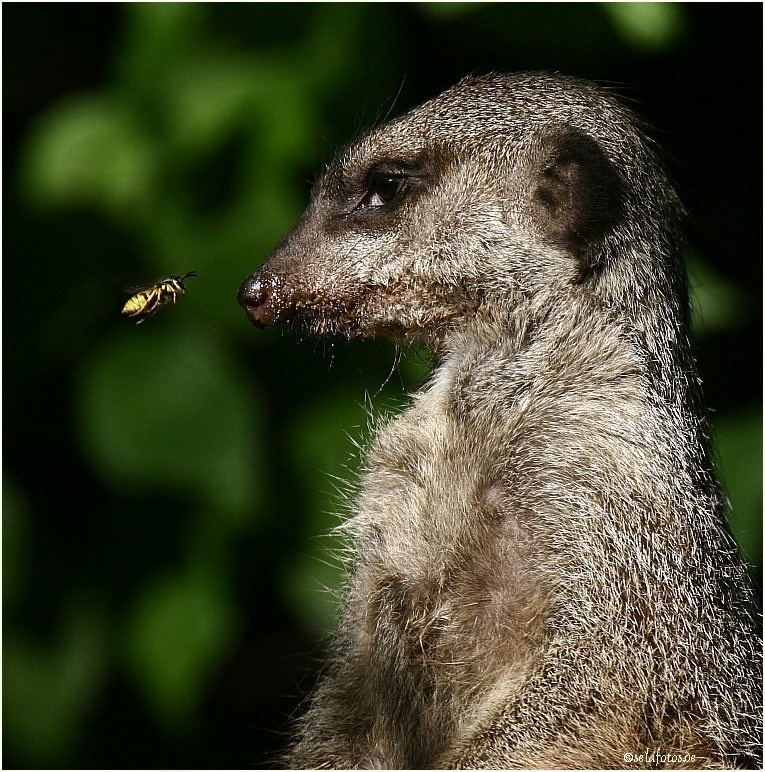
254 296
263 300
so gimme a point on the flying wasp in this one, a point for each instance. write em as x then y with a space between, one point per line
146 301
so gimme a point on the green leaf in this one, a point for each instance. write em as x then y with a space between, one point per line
169 409
180 631
648 26
206 100
157 35
92 150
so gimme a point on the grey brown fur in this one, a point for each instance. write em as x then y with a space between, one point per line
543 576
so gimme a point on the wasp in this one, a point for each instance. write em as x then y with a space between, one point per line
146 301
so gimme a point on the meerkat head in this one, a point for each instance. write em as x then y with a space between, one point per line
502 188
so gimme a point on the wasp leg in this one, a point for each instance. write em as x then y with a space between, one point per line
150 307
147 314
150 304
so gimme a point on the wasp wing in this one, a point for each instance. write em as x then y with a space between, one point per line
134 290
161 280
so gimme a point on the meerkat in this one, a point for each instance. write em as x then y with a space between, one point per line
543 576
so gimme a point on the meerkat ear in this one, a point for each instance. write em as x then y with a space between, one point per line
577 195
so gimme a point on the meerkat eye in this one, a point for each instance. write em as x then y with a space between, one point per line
382 189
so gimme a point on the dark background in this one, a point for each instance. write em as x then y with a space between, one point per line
164 485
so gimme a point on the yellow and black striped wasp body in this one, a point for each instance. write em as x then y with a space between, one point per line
146 301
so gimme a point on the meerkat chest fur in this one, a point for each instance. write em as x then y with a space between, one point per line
453 576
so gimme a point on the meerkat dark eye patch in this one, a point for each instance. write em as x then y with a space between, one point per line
577 198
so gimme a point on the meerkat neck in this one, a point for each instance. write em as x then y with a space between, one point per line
551 336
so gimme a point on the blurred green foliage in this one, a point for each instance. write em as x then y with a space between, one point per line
648 26
165 484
